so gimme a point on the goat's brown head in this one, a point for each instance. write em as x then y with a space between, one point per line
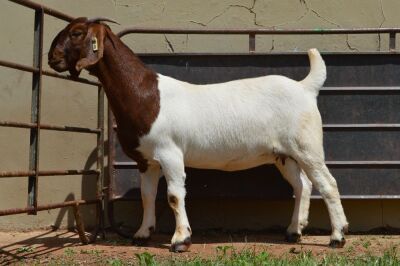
79 45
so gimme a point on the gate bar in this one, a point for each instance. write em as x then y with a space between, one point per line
100 159
239 31
46 10
50 127
46 72
48 173
253 32
35 126
35 110
47 207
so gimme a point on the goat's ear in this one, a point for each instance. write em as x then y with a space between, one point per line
93 49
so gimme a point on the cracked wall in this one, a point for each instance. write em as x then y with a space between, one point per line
65 102
282 14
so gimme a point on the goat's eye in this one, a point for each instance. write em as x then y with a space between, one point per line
76 34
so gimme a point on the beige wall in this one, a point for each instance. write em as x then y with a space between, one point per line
69 103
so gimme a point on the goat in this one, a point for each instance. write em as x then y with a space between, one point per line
167 124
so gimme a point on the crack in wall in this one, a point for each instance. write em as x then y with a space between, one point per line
380 25
169 44
250 9
272 44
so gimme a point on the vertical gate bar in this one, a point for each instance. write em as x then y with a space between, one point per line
35 111
111 154
100 158
392 41
252 42
79 225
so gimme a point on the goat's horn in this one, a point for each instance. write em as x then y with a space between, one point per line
98 19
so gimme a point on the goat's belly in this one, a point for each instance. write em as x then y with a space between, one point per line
229 162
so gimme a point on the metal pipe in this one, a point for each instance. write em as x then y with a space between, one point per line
47 10
238 31
80 80
47 207
35 110
48 173
361 126
100 158
50 127
79 224
46 72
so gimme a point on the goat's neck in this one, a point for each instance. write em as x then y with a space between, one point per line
130 86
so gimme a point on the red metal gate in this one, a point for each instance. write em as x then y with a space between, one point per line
35 126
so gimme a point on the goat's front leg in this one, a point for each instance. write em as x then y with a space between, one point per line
174 171
149 184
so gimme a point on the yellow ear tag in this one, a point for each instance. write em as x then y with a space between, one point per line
94 44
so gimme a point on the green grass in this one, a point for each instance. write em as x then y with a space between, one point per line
226 255
229 256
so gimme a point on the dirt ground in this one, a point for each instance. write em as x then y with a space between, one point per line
48 246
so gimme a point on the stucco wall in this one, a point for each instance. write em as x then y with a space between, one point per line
69 103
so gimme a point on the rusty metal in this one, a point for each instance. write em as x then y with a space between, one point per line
48 207
50 127
46 72
240 31
79 225
35 110
253 32
100 158
46 10
48 173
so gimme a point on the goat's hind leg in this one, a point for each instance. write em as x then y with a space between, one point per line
148 185
302 190
327 187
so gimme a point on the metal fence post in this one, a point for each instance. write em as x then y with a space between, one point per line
100 158
392 41
35 111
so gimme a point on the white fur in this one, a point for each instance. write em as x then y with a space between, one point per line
238 125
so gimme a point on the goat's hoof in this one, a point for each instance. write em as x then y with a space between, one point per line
181 246
337 243
292 237
140 241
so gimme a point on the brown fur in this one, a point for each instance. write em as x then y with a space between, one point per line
131 87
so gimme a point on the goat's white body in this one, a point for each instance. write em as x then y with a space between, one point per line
228 126
238 125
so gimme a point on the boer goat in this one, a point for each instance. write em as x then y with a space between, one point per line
167 124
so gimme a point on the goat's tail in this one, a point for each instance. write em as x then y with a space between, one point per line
317 76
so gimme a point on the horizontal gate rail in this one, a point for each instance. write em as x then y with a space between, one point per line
241 31
35 126
50 127
253 32
46 72
46 10
48 173
48 207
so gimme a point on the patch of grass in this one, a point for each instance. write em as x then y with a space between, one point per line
25 249
227 255
69 252
230 256
91 251
146 258
366 244
116 262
